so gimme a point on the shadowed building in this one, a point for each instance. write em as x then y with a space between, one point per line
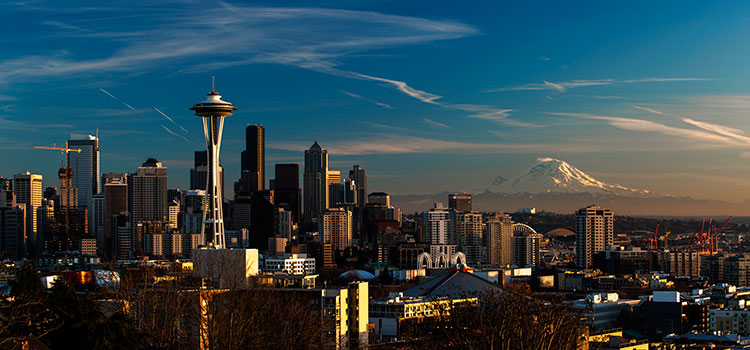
253 165
460 202
286 189
316 186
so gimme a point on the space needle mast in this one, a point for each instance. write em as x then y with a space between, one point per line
212 111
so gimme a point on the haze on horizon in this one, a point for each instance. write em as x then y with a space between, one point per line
427 96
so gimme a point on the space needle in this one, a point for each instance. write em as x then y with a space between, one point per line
213 111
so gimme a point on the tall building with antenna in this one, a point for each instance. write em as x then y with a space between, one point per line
213 111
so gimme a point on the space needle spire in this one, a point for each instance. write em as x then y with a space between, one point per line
212 111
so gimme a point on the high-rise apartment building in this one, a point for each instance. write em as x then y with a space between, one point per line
594 232
286 189
316 185
148 192
115 203
526 249
28 190
470 236
13 232
438 226
253 165
460 202
499 236
439 230
335 225
85 165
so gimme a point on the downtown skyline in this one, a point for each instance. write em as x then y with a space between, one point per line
401 90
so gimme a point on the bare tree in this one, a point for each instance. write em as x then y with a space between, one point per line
501 320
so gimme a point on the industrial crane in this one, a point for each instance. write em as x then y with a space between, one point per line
715 236
65 150
653 243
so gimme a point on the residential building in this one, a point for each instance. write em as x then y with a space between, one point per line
335 225
526 249
469 232
499 236
293 264
460 202
148 192
594 232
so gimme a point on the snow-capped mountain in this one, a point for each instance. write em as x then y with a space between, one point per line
550 175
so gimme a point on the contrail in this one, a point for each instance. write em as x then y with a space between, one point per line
171 120
180 136
118 100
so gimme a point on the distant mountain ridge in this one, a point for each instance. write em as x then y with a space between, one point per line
556 186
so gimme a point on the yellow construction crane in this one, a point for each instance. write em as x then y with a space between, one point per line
65 150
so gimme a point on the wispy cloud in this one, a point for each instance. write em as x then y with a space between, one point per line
118 100
431 122
477 111
392 144
563 86
302 37
650 126
359 97
723 130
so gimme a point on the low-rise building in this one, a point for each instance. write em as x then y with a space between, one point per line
293 264
600 310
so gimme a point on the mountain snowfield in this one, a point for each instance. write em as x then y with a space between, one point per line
550 175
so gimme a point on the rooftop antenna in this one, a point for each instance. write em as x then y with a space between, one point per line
213 89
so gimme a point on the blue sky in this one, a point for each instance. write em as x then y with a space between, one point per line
427 96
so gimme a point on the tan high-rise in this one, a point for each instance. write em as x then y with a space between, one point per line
594 232
28 190
499 232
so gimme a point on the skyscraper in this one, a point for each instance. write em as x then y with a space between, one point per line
254 158
115 203
527 249
460 202
333 179
359 176
85 165
213 111
499 236
286 190
594 232
28 190
199 172
316 186
148 192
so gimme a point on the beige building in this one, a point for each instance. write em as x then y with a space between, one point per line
335 225
499 233
470 236
594 232
348 308
28 190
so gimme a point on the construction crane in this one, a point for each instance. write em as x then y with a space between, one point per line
65 150
715 237
653 243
